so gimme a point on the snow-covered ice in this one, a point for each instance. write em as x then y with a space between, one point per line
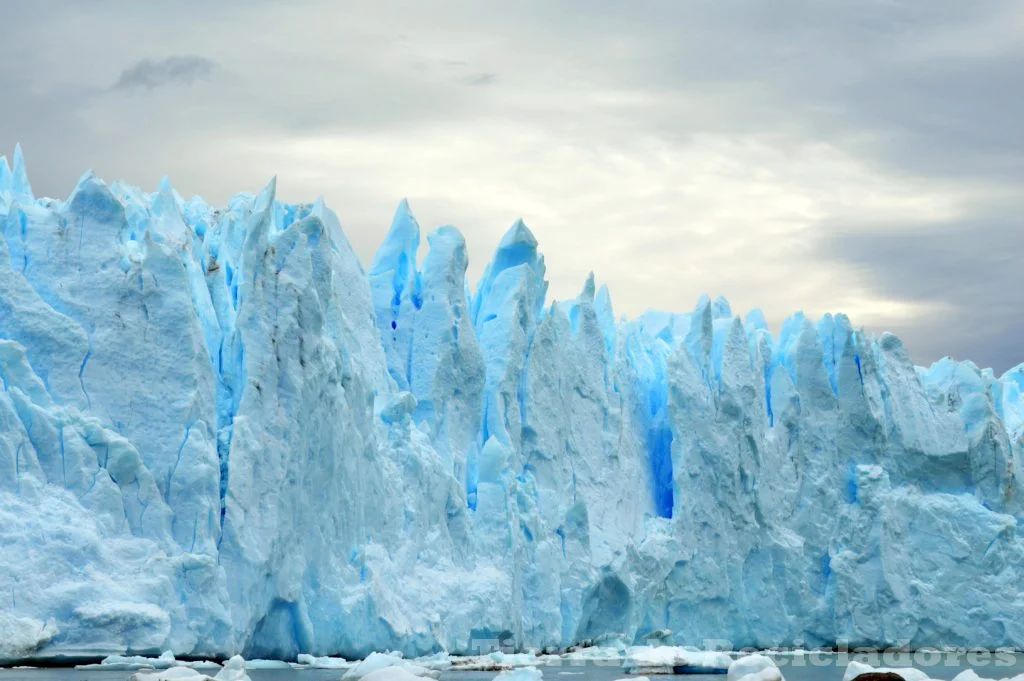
219 434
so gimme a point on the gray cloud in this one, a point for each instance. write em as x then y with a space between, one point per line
153 73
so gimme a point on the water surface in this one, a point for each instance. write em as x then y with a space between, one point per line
798 669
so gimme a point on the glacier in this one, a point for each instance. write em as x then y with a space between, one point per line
222 435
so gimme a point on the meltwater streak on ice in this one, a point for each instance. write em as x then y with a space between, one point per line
218 434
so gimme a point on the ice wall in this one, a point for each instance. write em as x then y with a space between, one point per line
219 434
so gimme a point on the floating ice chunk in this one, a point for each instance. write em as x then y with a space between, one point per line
439 661
266 664
594 653
116 666
674 660
200 664
135 662
324 662
971 675
529 659
372 663
478 663
235 670
855 669
392 673
378 661
520 674
498 661
754 668
171 674
128 663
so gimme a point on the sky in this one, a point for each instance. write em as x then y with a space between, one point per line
857 156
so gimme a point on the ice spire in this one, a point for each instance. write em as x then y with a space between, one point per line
517 248
20 187
394 284
5 175
398 252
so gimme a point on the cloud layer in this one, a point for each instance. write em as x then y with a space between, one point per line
853 156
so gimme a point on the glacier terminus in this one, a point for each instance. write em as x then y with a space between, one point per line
220 434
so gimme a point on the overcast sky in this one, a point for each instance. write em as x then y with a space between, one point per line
858 156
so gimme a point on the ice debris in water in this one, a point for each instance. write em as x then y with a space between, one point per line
219 433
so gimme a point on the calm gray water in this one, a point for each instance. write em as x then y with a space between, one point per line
590 672
799 670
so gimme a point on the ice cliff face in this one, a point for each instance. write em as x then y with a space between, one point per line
219 434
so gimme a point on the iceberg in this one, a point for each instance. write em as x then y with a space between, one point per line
221 435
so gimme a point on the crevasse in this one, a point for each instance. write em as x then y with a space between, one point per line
218 434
